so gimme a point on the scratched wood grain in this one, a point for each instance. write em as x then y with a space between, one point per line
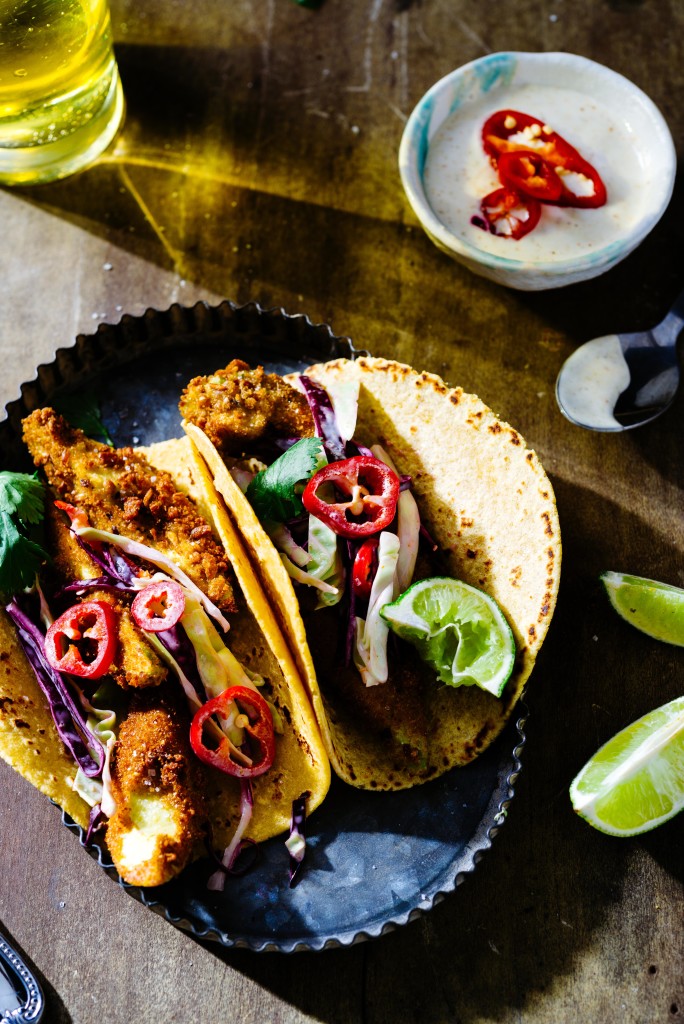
259 161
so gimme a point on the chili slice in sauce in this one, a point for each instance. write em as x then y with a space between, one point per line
529 173
82 641
367 492
509 214
511 131
255 718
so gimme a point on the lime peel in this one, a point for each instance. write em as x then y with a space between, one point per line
460 631
633 784
654 608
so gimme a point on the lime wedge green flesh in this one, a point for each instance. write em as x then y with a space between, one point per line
651 607
636 780
458 630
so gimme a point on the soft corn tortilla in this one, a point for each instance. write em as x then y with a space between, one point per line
30 744
257 641
490 507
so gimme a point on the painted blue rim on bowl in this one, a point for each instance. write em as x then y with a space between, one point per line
494 71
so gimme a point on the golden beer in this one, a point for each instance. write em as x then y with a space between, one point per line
61 101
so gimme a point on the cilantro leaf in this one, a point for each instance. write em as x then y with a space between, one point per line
20 558
83 411
273 492
22 495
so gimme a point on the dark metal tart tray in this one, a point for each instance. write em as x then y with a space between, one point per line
374 861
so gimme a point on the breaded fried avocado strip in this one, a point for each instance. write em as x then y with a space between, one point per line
157 786
120 492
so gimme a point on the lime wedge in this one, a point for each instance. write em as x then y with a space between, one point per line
458 630
635 781
655 608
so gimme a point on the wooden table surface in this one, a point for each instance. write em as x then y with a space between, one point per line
259 162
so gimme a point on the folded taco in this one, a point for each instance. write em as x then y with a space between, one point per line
145 685
408 540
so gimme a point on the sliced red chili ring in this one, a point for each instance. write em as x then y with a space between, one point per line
509 214
529 173
158 606
257 723
566 175
365 567
368 491
499 136
82 641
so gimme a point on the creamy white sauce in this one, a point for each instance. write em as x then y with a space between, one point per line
591 381
458 173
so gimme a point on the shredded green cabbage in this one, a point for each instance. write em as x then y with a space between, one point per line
370 646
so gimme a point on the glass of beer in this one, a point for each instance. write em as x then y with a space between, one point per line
61 101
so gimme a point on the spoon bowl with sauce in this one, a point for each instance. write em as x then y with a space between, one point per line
622 381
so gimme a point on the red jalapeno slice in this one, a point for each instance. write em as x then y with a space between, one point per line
367 492
365 567
510 214
82 641
257 722
575 171
511 131
529 173
158 606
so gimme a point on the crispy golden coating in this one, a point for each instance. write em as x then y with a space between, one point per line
238 406
135 662
157 785
122 493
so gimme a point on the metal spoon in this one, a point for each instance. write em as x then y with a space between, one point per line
21 997
622 381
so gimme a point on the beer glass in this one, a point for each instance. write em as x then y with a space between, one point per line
61 101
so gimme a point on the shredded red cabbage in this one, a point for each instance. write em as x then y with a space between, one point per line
424 533
324 418
285 443
352 448
96 583
351 628
241 862
179 646
68 717
118 571
297 828
96 820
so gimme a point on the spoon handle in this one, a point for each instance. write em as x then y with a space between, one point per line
667 332
20 977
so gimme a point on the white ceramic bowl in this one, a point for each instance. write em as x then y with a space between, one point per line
486 84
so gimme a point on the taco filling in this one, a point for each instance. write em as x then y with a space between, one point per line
164 729
326 476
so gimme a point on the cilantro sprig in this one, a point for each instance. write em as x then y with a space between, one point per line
22 504
275 492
